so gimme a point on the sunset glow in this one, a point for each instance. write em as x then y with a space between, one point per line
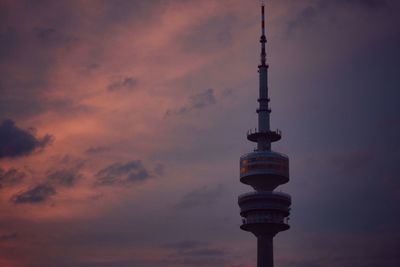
122 121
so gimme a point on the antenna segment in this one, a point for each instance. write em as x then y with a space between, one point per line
263 39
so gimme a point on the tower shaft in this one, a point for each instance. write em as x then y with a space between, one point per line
265 251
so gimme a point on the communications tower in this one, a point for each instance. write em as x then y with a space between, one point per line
265 212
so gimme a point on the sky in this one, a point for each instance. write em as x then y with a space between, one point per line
122 123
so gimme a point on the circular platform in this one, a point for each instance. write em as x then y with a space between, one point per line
270 136
264 202
264 212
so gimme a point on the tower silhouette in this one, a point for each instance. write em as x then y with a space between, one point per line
264 211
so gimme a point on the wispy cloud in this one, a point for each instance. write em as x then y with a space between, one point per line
37 194
11 177
66 177
195 253
125 83
314 11
96 149
203 196
6 237
197 101
122 174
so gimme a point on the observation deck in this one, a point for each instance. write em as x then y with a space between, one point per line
264 170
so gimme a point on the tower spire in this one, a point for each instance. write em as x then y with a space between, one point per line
263 39
263 136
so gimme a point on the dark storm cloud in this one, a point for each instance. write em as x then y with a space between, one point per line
125 83
197 101
15 142
37 194
11 177
122 174
203 196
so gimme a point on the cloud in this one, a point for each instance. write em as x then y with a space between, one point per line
203 99
302 263
126 83
10 236
15 142
8 39
54 37
67 171
310 14
11 177
197 101
203 196
96 149
305 17
37 194
371 4
195 253
67 177
45 33
159 169
123 10
122 174
214 34
185 245
352 162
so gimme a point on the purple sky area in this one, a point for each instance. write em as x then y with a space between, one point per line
122 123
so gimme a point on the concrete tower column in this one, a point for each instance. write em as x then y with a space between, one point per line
265 251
